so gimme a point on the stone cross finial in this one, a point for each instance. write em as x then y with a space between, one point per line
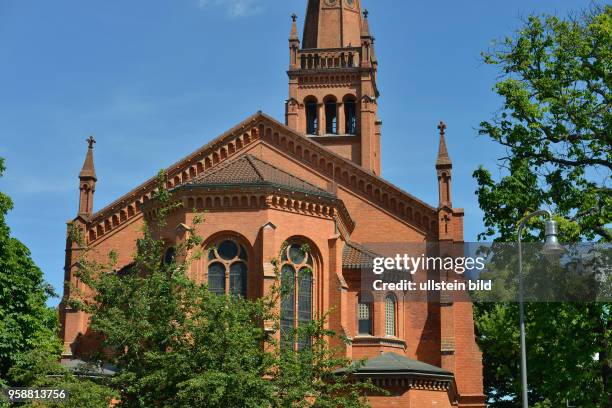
442 128
366 13
91 141
294 17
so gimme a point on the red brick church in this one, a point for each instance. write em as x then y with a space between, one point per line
314 179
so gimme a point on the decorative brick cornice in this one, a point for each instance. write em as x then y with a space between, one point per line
428 384
262 197
379 341
416 381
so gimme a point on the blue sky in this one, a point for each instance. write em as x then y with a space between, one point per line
154 80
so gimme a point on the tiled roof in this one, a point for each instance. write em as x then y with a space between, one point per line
247 170
355 256
392 363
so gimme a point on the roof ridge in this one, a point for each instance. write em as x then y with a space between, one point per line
283 171
250 160
261 172
222 166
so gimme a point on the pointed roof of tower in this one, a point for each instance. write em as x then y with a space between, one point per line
88 170
373 52
365 26
443 157
332 24
294 34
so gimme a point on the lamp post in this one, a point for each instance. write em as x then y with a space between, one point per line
552 247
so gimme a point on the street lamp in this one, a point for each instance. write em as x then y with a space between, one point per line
551 247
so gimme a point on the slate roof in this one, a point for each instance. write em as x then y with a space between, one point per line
248 170
392 363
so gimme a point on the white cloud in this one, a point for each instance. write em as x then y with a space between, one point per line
235 8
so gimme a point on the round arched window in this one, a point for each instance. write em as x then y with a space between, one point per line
227 268
296 285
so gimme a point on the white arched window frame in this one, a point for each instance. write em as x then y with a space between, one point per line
390 315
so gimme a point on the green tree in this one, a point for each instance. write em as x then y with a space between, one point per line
176 344
555 125
26 323
30 348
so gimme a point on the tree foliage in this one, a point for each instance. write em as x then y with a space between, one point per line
26 323
176 344
555 125
29 344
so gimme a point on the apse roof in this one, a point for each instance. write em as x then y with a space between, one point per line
248 170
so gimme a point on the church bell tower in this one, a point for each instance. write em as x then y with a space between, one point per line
332 81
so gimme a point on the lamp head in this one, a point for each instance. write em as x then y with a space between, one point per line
551 245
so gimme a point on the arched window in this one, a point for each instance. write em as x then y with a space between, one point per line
296 289
364 314
227 268
331 117
312 117
350 116
390 315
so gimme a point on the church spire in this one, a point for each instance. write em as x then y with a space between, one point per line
87 180
332 24
443 157
365 26
294 43
88 170
294 35
444 168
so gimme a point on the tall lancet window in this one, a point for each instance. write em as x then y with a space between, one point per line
331 116
227 268
296 295
312 117
350 116
390 321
